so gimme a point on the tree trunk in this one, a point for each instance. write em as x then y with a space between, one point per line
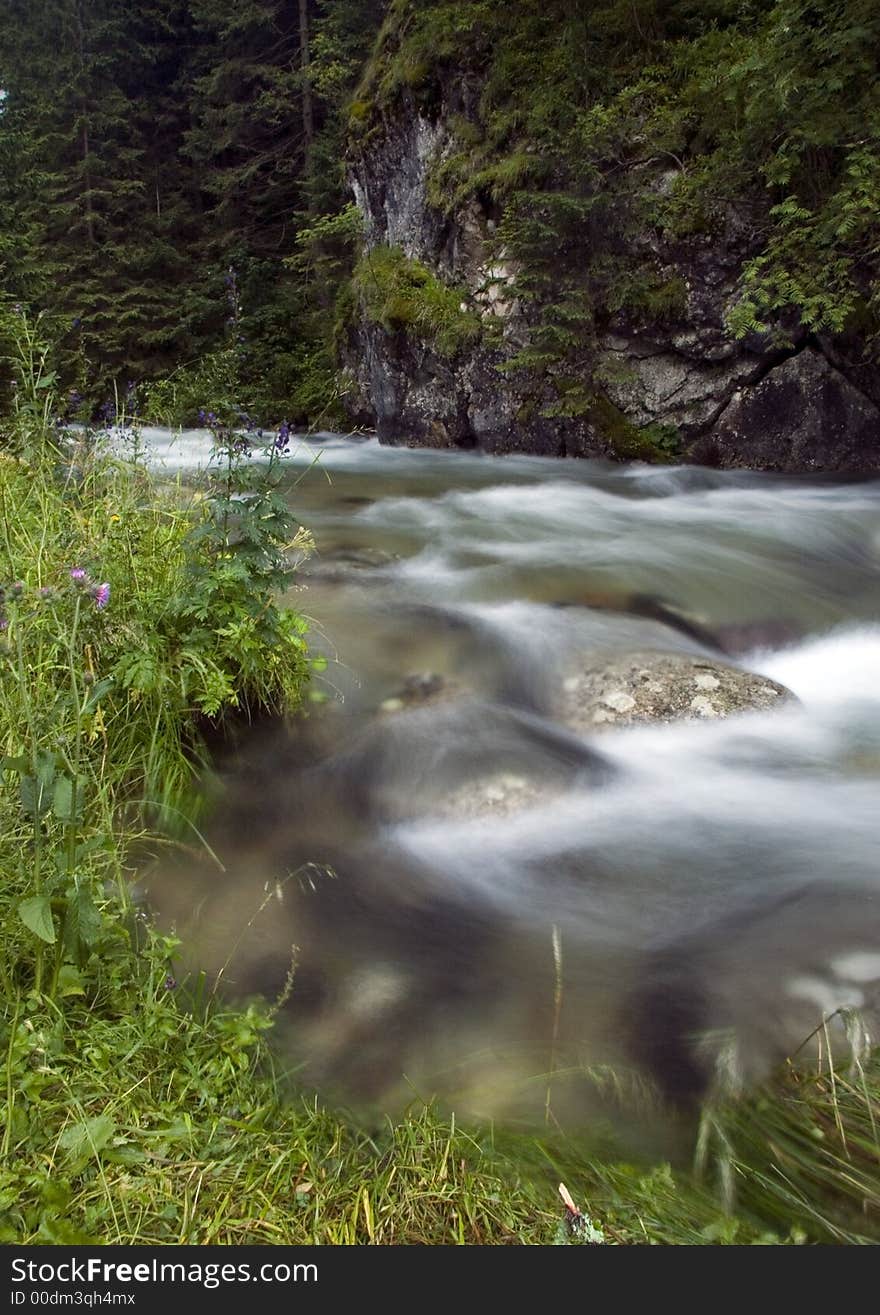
305 64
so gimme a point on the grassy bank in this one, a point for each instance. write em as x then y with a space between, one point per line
131 617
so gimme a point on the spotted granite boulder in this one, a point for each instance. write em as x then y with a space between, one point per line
652 687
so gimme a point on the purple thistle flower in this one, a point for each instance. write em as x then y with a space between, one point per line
4 624
101 595
17 589
78 575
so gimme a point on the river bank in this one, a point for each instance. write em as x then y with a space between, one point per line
136 1113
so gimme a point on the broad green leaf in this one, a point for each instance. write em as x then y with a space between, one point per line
70 981
88 1137
82 924
33 796
62 802
36 914
12 764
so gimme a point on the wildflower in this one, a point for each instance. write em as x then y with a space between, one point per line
76 322
282 438
4 624
170 983
101 595
78 575
17 589
46 593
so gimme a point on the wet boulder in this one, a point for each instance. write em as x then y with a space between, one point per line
665 687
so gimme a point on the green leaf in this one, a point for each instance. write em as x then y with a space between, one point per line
36 914
97 692
33 796
82 924
12 764
70 981
88 1137
62 802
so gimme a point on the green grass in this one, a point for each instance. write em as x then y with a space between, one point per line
147 1124
403 296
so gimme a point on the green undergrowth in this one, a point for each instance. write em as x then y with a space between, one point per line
135 1120
403 296
609 143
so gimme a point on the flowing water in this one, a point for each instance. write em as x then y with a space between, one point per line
525 918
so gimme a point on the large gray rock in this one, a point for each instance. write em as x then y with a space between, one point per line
662 687
804 415
604 693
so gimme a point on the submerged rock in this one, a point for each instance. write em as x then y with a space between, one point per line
645 687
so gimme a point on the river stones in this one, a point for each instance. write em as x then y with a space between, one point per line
424 687
503 794
662 687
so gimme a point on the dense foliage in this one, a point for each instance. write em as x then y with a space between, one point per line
601 136
147 147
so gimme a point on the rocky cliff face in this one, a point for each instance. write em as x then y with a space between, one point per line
676 385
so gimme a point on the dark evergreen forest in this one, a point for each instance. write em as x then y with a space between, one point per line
150 147
147 147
